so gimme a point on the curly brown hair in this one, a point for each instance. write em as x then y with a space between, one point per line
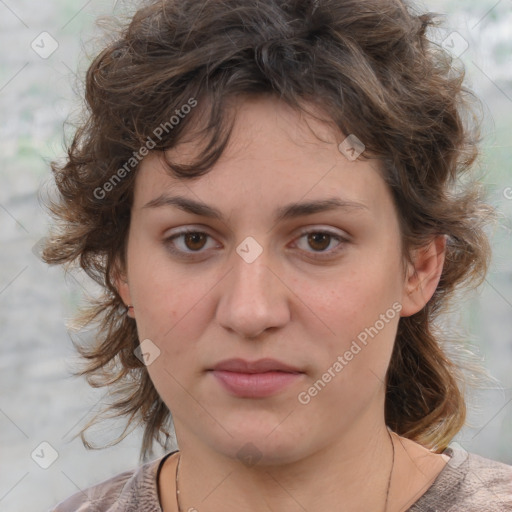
371 67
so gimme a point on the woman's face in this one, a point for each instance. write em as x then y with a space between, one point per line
318 289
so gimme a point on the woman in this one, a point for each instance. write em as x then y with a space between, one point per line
270 194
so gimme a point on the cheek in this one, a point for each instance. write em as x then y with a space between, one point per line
355 301
164 295
350 372
169 309
362 311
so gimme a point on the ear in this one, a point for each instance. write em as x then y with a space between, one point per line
423 275
120 281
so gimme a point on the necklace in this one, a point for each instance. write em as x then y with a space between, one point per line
390 472
387 491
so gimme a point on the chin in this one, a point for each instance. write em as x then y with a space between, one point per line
261 443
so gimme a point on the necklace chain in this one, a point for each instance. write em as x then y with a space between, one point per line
390 473
387 491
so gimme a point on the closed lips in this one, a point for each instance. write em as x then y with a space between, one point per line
255 380
259 366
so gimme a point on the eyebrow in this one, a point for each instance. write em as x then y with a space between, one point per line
287 212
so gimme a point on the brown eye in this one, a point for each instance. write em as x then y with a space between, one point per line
191 242
319 241
194 241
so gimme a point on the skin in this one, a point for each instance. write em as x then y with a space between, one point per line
289 305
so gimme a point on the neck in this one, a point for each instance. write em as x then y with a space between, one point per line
355 472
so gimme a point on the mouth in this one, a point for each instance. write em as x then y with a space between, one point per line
257 379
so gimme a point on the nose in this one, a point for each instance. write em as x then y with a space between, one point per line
253 298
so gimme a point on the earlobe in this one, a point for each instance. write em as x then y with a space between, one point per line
123 288
423 275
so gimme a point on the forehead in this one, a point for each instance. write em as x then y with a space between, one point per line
275 155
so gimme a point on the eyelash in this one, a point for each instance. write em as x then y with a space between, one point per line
169 242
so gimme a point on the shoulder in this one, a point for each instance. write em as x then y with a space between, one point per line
128 491
469 483
100 497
